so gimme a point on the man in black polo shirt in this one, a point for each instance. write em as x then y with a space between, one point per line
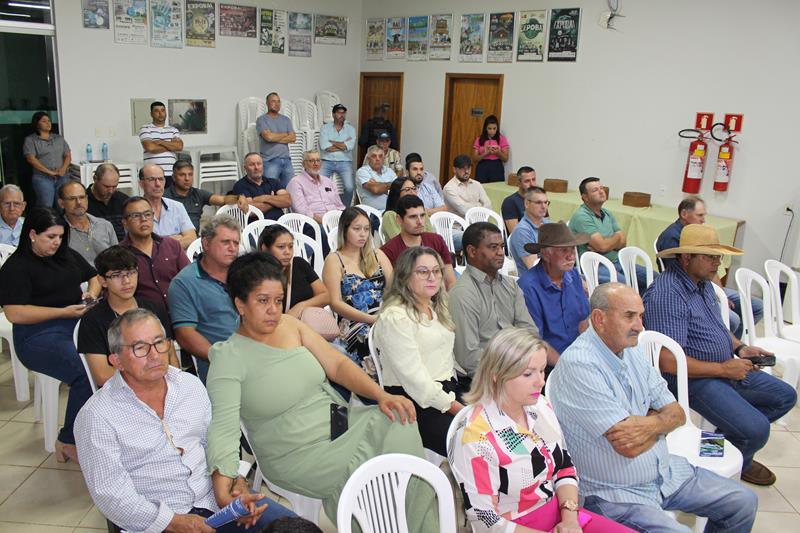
105 201
266 194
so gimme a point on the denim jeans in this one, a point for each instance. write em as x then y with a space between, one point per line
280 169
345 171
273 511
742 410
737 327
45 188
641 275
47 348
728 505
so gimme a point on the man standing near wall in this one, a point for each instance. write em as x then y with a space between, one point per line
160 141
276 132
336 141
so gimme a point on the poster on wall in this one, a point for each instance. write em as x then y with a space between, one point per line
272 38
188 116
395 37
441 42
200 24
166 23
564 26
470 47
130 21
376 38
330 30
418 38
530 43
500 48
237 21
95 14
300 29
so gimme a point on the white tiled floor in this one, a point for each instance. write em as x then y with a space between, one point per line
39 495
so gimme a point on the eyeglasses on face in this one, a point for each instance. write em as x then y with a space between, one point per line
143 215
9 205
122 274
142 348
78 198
425 273
539 202
408 189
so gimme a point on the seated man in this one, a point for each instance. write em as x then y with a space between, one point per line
201 310
391 157
724 385
374 179
411 218
483 301
692 210
105 201
141 440
428 187
194 199
615 410
264 193
513 208
463 192
88 235
553 289
527 231
117 270
12 205
170 218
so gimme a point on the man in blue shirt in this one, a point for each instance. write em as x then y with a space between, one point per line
692 210
527 231
553 289
336 142
724 385
264 193
374 179
615 411
275 132
513 208
12 205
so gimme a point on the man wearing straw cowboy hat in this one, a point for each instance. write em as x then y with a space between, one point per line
725 387
553 288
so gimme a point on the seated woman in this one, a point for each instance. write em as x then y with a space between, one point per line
40 291
304 286
415 336
399 188
508 452
273 375
356 275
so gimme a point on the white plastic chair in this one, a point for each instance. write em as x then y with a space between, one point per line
288 109
20 373
83 358
590 263
786 352
628 257
301 245
296 150
297 222
250 109
661 267
724 308
375 494
333 238
237 214
306 112
194 249
372 212
5 251
444 224
484 214
325 102
252 232
774 270
330 220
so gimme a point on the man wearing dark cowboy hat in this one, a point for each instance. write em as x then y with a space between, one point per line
553 289
725 387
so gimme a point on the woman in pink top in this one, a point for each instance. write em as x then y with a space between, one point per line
490 152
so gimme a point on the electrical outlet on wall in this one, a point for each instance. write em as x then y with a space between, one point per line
662 190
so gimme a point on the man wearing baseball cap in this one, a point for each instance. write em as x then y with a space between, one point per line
553 288
336 142
725 387
463 192
391 157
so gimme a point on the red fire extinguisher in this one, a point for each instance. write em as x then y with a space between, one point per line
722 175
696 160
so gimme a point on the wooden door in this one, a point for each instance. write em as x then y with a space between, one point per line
381 89
468 100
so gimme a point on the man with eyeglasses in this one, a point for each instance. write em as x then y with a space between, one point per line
105 201
159 259
170 218
88 235
141 440
12 205
336 141
118 273
313 193
410 214
726 387
527 231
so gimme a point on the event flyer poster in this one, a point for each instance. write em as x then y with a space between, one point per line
329 29
300 30
418 38
272 38
500 48
441 37
130 21
564 26
200 24
530 44
237 21
376 38
166 23
470 47
95 14
396 37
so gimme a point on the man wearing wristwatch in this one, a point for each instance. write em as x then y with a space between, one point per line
725 387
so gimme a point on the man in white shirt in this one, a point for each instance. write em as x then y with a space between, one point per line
374 179
12 205
170 218
160 141
463 192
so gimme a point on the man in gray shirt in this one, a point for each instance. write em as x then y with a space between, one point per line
276 132
483 301
88 235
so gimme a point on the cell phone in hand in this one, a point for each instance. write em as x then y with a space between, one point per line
763 360
338 420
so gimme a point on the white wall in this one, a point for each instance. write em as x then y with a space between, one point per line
616 112
98 77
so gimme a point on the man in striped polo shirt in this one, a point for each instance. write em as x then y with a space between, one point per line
160 141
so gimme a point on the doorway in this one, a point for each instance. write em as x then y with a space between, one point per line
468 100
380 92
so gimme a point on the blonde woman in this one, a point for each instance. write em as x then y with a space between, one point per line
508 453
414 334
356 275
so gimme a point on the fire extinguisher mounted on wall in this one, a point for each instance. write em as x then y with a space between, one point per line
695 161
724 168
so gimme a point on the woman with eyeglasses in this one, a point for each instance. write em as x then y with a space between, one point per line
414 336
40 291
399 188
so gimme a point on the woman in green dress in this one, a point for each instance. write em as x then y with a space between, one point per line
272 374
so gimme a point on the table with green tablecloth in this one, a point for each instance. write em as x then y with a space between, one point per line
642 225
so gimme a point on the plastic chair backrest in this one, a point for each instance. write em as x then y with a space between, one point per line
83 358
301 245
373 352
774 269
306 111
724 309
628 258
372 212
484 214
458 420
590 263
444 224
661 267
744 280
651 343
250 109
194 249
237 214
252 232
5 252
330 220
297 222
375 494
325 102
288 109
